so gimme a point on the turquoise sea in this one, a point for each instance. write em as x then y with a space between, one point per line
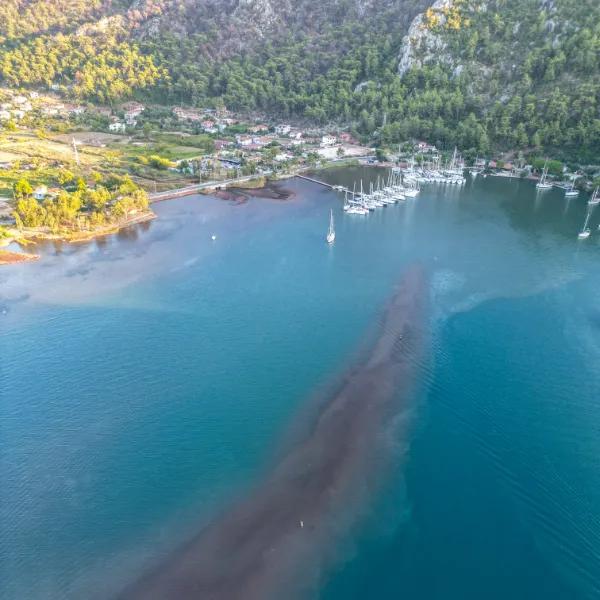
149 379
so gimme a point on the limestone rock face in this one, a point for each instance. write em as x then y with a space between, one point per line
421 43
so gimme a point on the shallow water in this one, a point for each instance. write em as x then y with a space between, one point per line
149 378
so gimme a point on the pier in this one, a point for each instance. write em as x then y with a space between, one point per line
197 188
338 188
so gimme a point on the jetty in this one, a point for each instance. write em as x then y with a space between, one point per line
196 188
337 188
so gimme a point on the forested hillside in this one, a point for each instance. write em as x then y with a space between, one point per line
482 74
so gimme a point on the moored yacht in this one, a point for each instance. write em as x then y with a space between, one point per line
584 234
331 230
543 183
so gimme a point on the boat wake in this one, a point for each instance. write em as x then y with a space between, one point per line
263 546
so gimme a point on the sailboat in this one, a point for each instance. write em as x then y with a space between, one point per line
571 191
584 234
331 231
543 184
595 199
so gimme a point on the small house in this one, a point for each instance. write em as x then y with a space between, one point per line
117 127
132 111
40 192
243 140
258 128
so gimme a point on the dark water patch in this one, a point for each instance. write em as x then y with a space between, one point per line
241 195
262 547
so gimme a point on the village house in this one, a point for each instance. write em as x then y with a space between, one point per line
220 144
4 115
282 129
117 127
328 140
40 192
19 99
425 148
132 111
282 157
210 126
185 114
258 128
243 140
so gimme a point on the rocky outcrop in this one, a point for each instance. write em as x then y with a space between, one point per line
422 43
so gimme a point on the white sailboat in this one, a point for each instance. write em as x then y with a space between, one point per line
331 231
571 191
543 184
595 199
584 234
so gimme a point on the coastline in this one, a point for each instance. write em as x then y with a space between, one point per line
11 258
32 236
261 186
39 235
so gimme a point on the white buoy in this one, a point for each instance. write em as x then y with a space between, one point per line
214 237
301 523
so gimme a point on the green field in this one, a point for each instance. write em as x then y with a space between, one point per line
40 159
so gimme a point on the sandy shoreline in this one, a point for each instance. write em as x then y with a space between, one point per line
10 258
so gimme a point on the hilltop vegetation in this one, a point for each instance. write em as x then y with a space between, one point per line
481 74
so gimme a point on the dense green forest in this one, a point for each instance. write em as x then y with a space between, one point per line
507 74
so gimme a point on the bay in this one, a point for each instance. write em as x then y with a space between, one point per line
149 378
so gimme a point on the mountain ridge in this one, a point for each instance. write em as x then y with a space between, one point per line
481 74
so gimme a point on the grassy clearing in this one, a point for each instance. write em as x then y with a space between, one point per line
40 160
27 146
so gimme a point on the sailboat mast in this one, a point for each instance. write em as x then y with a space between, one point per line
587 219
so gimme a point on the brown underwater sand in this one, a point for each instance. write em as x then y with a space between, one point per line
261 547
